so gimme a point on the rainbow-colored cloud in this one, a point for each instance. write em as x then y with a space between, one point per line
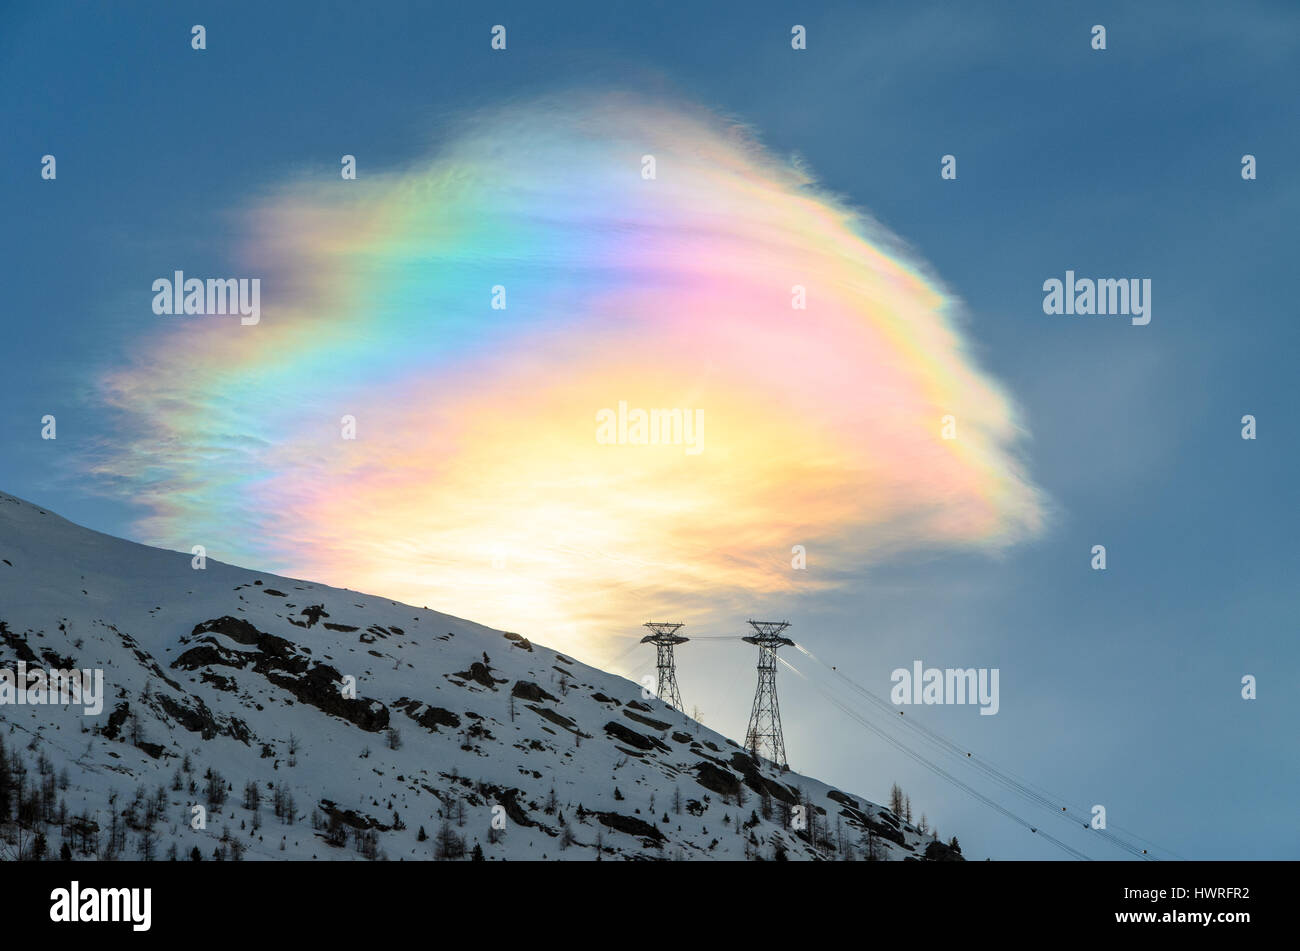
476 439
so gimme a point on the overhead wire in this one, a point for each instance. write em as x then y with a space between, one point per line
1008 781
934 767
1004 778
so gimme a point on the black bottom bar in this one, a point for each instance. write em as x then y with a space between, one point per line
335 901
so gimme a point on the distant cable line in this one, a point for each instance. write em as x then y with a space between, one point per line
1034 794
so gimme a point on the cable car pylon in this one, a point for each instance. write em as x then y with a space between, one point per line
665 638
764 733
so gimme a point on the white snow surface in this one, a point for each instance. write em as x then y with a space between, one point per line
231 698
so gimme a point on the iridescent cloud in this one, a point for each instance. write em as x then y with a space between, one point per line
476 483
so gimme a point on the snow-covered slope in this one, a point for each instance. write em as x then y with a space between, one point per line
225 678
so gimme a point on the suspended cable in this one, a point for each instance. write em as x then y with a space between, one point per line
1023 788
1038 796
937 769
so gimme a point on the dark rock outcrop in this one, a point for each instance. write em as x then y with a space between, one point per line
527 690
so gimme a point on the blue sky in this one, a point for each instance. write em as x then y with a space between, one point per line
1119 687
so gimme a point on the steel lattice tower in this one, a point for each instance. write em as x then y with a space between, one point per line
664 638
764 731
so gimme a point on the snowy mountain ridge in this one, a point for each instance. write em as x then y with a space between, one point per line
248 715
